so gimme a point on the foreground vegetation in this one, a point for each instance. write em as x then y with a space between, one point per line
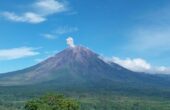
88 102
14 98
52 102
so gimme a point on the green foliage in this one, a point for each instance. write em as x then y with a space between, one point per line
16 98
52 102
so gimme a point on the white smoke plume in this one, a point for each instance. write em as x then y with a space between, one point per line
70 42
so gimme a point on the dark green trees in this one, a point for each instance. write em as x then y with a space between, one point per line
52 102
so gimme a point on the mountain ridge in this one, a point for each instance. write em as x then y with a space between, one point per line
80 66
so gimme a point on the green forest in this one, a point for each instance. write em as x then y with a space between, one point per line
14 98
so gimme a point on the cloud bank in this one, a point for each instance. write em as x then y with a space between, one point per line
38 13
16 53
140 65
28 17
137 65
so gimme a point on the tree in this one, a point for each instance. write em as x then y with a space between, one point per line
52 102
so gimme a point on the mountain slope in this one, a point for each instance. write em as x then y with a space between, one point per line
79 66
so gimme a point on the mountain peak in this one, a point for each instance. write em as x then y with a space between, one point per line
77 53
79 48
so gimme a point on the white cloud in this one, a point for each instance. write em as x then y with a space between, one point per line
163 69
140 65
38 13
26 17
49 36
70 42
137 65
47 7
16 53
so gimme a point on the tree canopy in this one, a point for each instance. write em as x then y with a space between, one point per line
52 102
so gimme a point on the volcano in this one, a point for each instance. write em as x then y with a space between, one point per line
78 66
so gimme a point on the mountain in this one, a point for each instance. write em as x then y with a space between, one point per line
80 67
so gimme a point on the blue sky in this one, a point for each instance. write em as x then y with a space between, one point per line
132 33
